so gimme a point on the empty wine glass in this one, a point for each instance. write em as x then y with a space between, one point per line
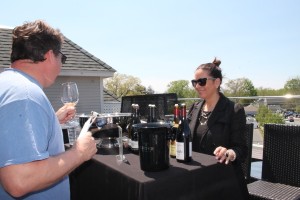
70 96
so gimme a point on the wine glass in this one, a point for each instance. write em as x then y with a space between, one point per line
70 96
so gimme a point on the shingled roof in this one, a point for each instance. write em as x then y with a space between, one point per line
79 62
5 47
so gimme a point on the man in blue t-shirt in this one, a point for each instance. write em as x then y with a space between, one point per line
33 162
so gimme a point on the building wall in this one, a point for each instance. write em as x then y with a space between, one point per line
89 93
111 107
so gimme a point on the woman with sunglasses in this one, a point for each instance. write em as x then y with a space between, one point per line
218 124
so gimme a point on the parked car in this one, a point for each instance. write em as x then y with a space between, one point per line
287 114
252 120
290 118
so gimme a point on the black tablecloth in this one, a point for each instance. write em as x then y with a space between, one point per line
203 178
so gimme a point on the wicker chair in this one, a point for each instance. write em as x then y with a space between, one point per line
280 165
246 165
164 104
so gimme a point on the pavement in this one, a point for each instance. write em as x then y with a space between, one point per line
257 151
258 140
257 137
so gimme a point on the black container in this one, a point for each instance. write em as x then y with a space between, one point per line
153 146
83 119
106 131
108 146
65 135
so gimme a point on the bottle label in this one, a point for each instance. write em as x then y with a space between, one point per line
180 150
173 148
175 125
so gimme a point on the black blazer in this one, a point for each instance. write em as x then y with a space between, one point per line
226 127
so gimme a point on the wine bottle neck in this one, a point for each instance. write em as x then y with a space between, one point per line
151 117
183 113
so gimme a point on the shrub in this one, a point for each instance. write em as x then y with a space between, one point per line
265 116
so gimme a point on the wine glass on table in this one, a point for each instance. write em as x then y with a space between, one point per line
70 96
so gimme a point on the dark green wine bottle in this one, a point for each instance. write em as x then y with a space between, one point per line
183 138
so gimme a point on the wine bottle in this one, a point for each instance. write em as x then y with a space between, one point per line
149 113
134 144
183 138
152 116
173 131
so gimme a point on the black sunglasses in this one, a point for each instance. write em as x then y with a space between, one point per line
201 81
63 57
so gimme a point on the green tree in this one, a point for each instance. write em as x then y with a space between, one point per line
270 92
124 85
138 89
265 115
182 89
150 90
241 87
298 108
292 86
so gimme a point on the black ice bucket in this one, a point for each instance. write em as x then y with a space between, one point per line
153 145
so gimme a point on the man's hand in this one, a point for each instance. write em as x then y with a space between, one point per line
65 113
85 146
87 125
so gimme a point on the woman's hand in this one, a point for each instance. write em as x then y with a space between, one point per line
65 113
223 154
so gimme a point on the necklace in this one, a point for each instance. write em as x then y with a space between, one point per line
204 117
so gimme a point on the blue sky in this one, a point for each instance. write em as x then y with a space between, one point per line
160 41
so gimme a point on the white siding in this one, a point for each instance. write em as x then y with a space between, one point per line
89 93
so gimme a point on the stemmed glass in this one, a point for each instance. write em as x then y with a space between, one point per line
70 96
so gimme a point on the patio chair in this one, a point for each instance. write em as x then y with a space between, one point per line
246 165
280 165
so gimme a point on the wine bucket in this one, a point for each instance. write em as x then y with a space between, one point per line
153 145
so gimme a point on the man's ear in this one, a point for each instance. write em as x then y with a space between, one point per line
49 56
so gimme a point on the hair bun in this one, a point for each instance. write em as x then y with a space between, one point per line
217 62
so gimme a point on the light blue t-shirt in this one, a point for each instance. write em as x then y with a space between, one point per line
29 129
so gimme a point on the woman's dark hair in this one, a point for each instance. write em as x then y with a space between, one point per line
32 40
213 69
